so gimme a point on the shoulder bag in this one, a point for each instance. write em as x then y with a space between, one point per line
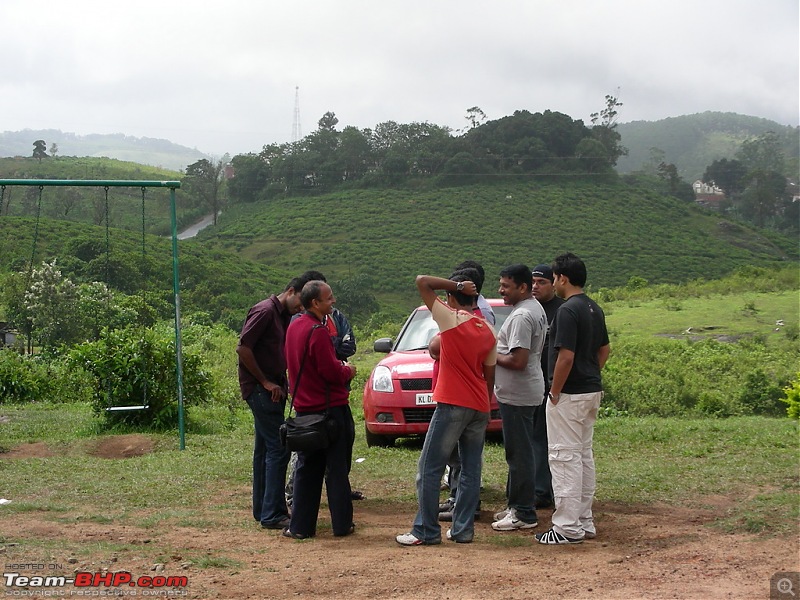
306 433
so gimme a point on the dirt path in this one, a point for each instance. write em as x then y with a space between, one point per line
651 551
640 552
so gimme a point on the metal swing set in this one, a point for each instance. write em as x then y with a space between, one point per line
106 184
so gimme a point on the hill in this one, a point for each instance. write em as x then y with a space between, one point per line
389 236
692 142
145 151
373 242
212 280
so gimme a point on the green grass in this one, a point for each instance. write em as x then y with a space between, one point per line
751 461
395 234
745 313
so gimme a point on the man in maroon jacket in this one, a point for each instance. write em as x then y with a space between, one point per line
322 383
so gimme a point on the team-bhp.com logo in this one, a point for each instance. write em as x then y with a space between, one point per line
91 584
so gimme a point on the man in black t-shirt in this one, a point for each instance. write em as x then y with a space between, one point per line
578 351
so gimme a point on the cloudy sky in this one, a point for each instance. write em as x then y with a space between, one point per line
221 76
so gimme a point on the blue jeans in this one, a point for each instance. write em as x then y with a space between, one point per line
270 458
450 426
518 441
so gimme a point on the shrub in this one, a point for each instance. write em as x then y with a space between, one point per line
132 367
792 398
760 396
22 378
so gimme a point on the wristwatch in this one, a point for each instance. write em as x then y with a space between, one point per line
459 286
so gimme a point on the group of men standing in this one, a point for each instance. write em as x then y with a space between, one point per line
544 368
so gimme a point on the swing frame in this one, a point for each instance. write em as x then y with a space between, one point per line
172 186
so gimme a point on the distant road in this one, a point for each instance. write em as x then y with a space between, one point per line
192 231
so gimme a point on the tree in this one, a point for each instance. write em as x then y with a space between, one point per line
763 153
591 155
328 122
475 116
204 178
39 150
604 129
251 174
53 149
354 151
763 198
727 175
50 305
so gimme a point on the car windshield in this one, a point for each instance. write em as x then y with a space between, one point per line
420 328
418 331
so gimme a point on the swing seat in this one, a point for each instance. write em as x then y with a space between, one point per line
122 408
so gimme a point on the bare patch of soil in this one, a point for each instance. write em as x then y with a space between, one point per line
122 446
644 551
33 450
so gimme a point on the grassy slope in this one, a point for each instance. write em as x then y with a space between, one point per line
392 235
211 279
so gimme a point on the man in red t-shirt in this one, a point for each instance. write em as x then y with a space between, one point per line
462 393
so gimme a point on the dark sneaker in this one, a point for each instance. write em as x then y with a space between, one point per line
447 505
552 537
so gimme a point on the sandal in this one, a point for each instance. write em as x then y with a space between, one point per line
295 536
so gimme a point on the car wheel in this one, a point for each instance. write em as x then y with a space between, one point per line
374 439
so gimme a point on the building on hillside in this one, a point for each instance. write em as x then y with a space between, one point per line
708 195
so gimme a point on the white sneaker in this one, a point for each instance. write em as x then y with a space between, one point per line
408 539
511 523
502 514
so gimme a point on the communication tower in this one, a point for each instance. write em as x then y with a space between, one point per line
297 132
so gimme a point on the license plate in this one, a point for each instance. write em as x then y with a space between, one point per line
425 399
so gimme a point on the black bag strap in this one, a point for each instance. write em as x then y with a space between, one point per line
300 373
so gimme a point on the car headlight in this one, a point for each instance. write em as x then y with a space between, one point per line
382 380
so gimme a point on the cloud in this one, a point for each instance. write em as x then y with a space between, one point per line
222 77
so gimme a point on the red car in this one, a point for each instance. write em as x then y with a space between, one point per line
398 399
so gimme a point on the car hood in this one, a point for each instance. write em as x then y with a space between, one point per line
416 363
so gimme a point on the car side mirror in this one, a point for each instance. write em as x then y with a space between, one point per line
383 345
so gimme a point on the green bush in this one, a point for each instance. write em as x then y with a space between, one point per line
793 398
133 367
22 378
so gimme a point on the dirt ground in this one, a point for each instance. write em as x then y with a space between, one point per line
652 551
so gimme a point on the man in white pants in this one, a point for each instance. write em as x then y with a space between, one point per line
578 350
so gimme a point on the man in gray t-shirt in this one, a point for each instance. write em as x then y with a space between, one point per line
519 387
